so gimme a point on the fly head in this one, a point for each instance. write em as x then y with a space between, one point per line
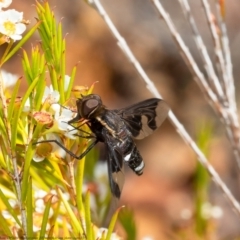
89 106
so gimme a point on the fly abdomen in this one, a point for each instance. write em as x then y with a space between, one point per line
133 158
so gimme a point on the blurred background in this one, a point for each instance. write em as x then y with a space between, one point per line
164 198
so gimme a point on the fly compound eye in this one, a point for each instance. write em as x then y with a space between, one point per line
92 103
90 106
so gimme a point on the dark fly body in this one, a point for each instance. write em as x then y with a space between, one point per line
117 129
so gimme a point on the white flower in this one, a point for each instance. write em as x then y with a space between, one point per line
210 211
66 195
100 171
11 24
39 193
43 150
101 178
66 82
101 231
62 116
26 107
40 206
8 79
38 228
147 238
5 3
13 202
6 214
50 95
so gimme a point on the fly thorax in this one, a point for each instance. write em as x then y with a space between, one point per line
107 126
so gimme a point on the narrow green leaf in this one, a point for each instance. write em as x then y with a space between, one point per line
112 224
17 115
56 53
6 51
38 179
54 79
45 26
60 44
63 64
79 184
26 67
61 89
49 16
3 137
88 216
39 8
4 227
9 208
103 237
11 107
50 233
127 220
70 85
35 61
45 43
52 23
40 87
201 179
93 233
28 158
45 219
55 215
91 88
74 221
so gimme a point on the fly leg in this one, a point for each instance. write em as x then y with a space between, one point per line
68 151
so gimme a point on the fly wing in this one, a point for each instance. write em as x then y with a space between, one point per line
115 167
144 117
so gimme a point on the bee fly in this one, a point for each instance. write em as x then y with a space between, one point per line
117 129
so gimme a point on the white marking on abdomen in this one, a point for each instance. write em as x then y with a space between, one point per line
127 157
140 167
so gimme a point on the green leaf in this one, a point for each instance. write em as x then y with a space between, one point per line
201 179
126 218
70 85
60 45
54 79
28 159
61 89
11 106
112 224
88 216
74 221
79 184
38 179
45 218
39 7
4 227
39 94
9 46
26 67
19 111
9 208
